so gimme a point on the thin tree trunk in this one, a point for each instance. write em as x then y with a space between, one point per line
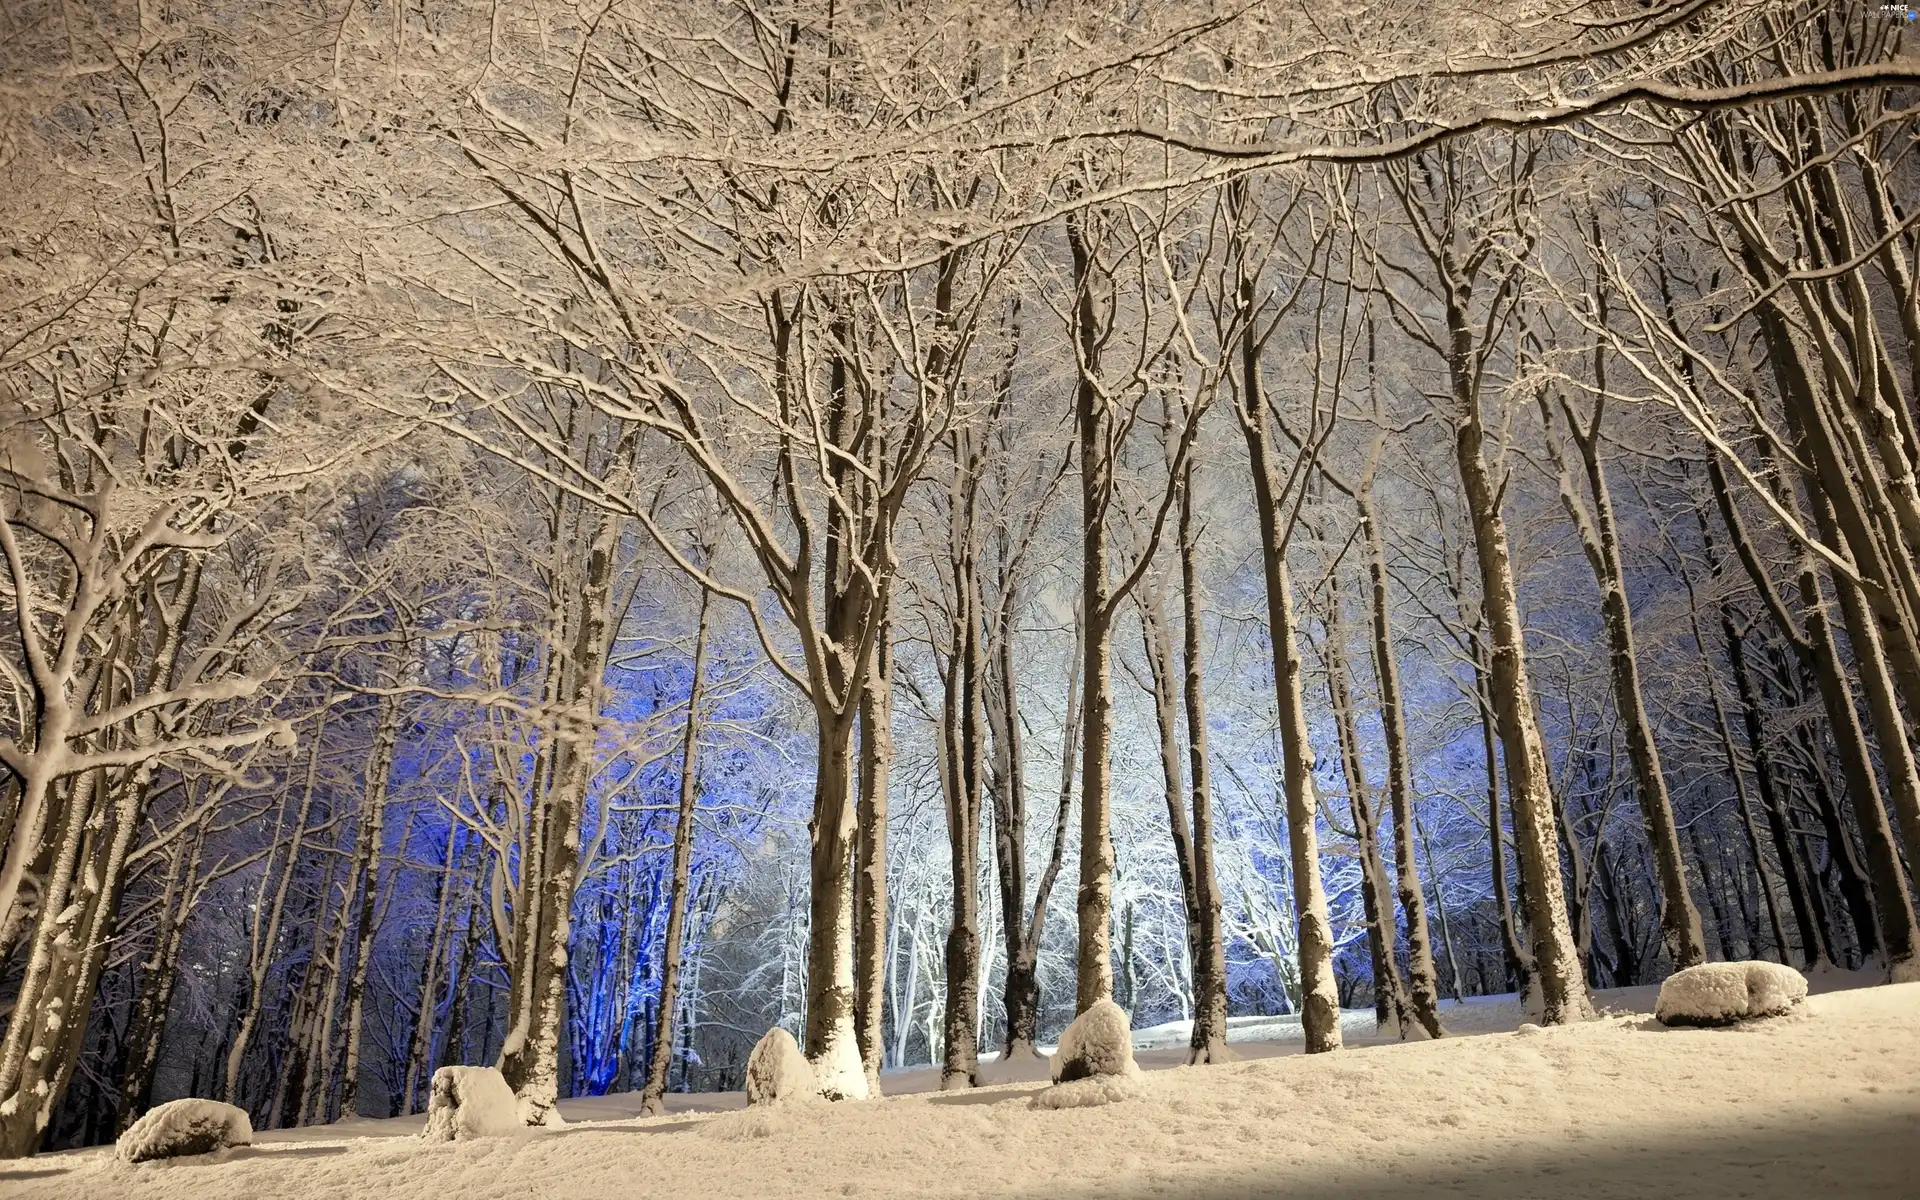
146 1028
454 1050
262 946
1023 979
1209 1040
420 1051
1008 787
1157 645
1422 976
1519 958
373 819
1600 539
1319 999
1440 910
316 1090
961 738
1319 996
1391 1005
652 1096
1899 936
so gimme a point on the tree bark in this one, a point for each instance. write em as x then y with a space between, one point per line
1209 1040
373 822
420 1048
1319 996
1093 905
870 887
961 742
1023 980
262 947
1600 539
1391 1005
146 1028
1563 992
1157 645
1423 976
652 1096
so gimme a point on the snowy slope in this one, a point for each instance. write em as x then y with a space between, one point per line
1825 1103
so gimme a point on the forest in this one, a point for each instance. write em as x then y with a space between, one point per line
566 535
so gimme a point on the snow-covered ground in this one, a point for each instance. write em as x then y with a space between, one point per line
1824 1103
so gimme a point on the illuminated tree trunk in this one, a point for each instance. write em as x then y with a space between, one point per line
870 884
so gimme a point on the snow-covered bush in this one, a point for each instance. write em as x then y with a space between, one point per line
1098 1042
181 1127
470 1102
777 1071
1724 993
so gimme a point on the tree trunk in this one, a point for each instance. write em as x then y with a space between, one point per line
1007 785
262 947
652 1096
1899 936
1157 644
961 740
1209 1040
420 1049
71 933
1422 976
1391 1005
453 1051
870 885
146 1028
1093 970
373 818
1563 993
1519 958
314 1091
1440 911
1319 997
831 1042
1600 539
1023 979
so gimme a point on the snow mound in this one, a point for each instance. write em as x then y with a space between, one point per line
181 1127
470 1102
777 1071
1724 993
1099 1042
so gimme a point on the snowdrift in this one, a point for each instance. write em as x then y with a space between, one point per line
1726 993
183 1127
470 1102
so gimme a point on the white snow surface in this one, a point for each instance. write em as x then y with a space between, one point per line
777 1071
471 1102
1725 992
1098 1042
1622 1107
183 1127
